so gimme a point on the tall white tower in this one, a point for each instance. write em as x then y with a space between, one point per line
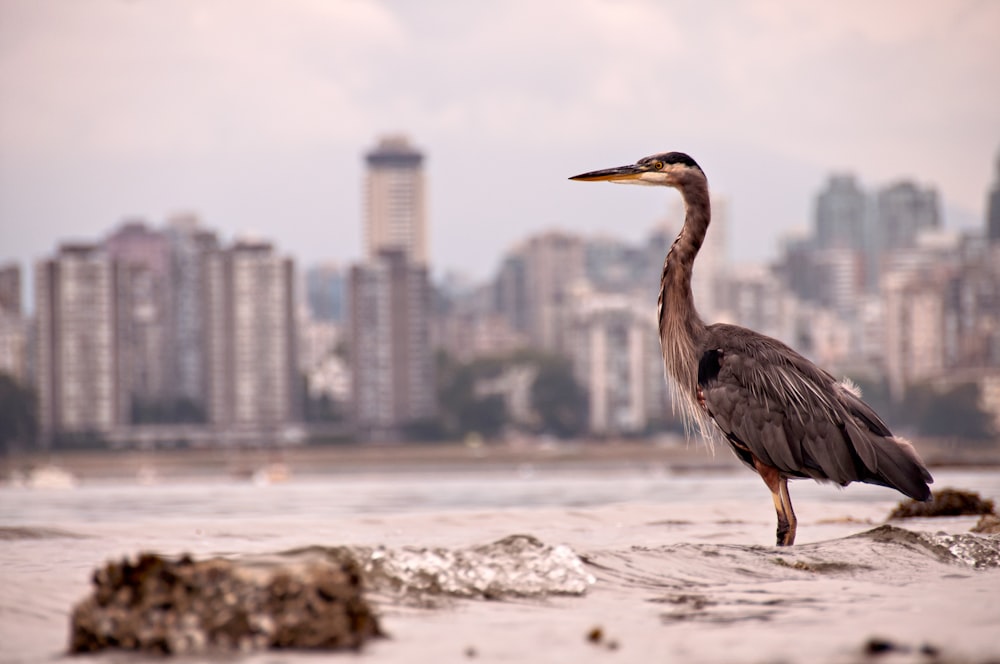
395 212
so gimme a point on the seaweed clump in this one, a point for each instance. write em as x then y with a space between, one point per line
988 524
946 502
164 606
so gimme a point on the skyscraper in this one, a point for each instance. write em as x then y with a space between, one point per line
391 357
841 215
613 344
253 380
845 242
10 289
993 207
326 292
79 392
190 245
511 293
395 205
390 295
904 210
13 326
913 323
142 256
554 263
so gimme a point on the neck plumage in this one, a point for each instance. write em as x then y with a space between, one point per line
681 328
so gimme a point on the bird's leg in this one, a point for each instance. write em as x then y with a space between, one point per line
786 502
782 505
783 525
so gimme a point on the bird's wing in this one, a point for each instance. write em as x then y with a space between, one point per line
794 416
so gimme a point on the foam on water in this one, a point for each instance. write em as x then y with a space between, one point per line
515 566
980 551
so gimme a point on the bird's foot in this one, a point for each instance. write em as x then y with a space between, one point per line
786 534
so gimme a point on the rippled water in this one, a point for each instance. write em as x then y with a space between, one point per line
639 561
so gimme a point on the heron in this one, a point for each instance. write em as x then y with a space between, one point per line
782 415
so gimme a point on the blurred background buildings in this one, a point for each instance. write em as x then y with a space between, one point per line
157 335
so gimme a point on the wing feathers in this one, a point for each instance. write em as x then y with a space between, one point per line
796 417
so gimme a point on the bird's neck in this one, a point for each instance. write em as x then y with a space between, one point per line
698 214
681 328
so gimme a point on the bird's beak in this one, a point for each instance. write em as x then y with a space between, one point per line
619 174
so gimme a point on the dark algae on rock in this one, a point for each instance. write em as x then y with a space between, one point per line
945 502
988 524
156 604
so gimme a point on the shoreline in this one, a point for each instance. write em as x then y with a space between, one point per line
668 453
373 458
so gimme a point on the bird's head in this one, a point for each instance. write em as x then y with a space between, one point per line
669 169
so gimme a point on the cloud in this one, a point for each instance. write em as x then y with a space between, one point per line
257 112
156 78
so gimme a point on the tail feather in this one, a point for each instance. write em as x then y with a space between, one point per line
899 467
883 458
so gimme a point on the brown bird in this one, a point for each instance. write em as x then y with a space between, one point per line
782 415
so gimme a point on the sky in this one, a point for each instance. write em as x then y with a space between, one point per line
256 115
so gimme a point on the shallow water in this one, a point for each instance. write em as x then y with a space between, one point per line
637 564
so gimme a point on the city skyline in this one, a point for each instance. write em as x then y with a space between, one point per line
255 118
117 310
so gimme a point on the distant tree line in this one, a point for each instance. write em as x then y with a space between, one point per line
558 404
166 411
18 415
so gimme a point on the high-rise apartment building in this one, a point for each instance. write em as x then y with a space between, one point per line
554 263
972 314
841 278
13 326
190 246
904 211
914 334
842 211
250 335
510 293
326 292
844 223
758 299
79 391
395 200
614 346
10 289
993 207
795 267
611 264
391 356
142 257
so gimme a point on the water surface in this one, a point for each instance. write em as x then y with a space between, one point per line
652 564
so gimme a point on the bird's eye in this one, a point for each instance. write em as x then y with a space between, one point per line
658 165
